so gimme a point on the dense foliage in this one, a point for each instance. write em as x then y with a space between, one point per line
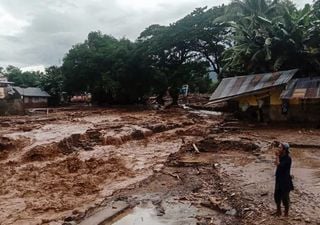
23 79
243 37
272 36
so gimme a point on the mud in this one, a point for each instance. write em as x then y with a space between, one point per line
170 166
229 181
68 163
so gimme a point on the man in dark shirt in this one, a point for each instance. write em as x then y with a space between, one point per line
283 179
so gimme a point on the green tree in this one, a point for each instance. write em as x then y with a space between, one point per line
26 79
112 70
52 82
172 54
265 41
206 35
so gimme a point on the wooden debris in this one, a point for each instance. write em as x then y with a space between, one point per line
196 148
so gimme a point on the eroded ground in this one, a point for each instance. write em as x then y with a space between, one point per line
161 167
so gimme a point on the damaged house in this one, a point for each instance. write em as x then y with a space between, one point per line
32 97
14 100
8 104
271 97
5 87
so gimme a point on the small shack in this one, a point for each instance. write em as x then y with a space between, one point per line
32 97
5 87
302 97
272 96
8 104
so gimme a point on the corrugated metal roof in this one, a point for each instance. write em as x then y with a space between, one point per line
31 92
234 87
303 88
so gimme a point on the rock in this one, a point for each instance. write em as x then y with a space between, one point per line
69 219
297 218
307 220
69 223
160 210
264 194
5 124
231 212
215 202
75 212
26 128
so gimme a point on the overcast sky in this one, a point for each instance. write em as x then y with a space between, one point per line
40 32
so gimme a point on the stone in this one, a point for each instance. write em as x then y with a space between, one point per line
231 212
264 194
307 220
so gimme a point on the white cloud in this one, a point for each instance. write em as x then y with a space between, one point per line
11 25
40 32
35 68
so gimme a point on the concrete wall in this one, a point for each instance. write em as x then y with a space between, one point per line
298 110
35 102
252 100
11 107
4 91
306 111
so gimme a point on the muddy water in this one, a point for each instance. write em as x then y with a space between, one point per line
83 178
206 113
138 216
51 133
148 214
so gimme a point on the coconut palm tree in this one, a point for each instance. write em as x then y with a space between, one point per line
263 43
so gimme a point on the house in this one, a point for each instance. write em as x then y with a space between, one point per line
303 99
32 97
9 105
272 96
5 87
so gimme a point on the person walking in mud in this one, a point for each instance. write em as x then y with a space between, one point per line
283 184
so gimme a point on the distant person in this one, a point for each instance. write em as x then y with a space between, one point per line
283 179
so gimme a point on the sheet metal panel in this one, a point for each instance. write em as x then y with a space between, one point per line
262 80
228 88
237 86
303 88
289 91
221 88
245 85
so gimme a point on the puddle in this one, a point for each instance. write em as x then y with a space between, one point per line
207 113
99 119
51 132
138 216
146 214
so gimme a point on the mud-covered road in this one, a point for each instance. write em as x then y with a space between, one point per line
150 167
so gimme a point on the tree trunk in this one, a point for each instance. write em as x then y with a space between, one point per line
174 94
159 98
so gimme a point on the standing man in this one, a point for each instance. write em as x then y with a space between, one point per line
283 179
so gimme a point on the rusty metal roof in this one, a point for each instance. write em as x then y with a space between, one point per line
303 88
234 87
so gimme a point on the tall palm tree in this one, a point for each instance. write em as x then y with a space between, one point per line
265 41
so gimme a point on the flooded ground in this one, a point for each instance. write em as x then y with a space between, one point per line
129 166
